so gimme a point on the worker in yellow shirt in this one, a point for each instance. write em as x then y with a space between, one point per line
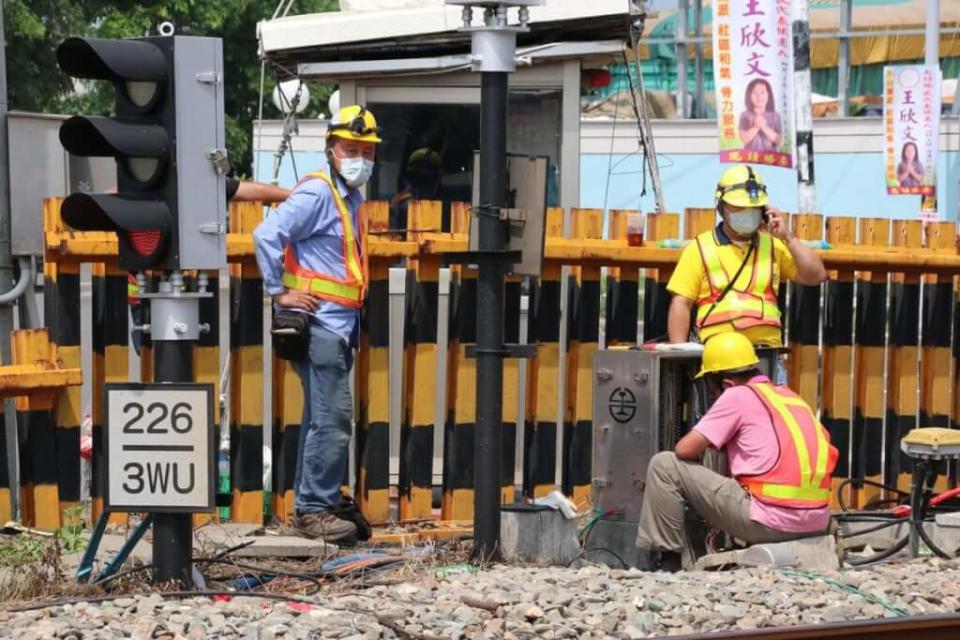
731 274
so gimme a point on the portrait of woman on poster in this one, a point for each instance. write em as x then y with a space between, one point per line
909 171
760 126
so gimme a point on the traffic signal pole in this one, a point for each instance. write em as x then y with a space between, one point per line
174 328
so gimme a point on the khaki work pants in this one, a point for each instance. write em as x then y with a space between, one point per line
721 501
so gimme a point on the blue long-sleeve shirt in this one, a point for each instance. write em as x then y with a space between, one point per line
309 221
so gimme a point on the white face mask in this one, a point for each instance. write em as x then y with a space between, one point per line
356 171
745 222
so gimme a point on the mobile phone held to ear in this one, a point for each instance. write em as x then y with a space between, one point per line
763 215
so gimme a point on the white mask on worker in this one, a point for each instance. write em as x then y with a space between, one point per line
745 222
356 171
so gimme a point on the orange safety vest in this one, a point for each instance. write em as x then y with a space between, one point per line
800 478
349 291
756 305
133 289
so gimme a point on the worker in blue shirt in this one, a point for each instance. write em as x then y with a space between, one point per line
312 258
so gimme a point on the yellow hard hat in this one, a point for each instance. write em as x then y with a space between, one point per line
728 351
354 123
741 186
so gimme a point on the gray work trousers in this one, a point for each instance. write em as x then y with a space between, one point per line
721 501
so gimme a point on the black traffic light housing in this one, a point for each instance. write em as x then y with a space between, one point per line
169 209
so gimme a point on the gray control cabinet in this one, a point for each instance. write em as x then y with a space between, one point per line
644 402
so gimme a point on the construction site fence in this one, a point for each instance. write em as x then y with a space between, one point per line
875 349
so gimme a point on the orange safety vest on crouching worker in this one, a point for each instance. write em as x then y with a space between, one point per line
349 291
800 478
753 307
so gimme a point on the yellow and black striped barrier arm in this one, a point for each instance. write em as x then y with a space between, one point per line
870 340
373 382
656 298
837 379
623 295
511 389
420 369
246 377
583 333
543 375
111 335
903 378
457 503
936 359
804 369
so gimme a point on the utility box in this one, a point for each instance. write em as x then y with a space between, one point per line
525 214
644 402
40 168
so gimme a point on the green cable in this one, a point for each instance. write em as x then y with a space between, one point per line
597 514
846 587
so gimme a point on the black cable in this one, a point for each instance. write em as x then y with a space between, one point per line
875 528
861 482
883 555
605 550
263 571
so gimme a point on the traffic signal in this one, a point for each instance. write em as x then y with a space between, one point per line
167 136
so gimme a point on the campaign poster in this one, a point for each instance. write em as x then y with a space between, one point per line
911 122
753 74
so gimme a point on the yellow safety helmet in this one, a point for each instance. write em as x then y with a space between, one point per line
741 186
354 123
728 351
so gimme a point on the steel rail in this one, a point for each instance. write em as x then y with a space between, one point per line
926 627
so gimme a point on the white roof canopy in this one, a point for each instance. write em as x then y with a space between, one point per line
377 30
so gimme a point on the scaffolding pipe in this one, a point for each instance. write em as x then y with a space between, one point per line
700 111
681 55
843 65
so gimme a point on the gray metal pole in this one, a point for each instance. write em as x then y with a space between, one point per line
931 51
681 53
843 65
701 110
6 261
806 196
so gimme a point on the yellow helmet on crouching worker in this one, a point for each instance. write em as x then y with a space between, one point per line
354 123
728 352
741 186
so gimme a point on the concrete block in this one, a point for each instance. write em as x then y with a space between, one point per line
223 535
537 535
946 532
813 554
285 547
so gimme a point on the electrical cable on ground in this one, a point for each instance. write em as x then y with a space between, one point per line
848 588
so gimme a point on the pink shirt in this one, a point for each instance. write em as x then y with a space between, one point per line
739 423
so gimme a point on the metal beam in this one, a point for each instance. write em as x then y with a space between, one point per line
681 55
843 65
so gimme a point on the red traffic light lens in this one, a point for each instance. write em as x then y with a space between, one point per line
145 242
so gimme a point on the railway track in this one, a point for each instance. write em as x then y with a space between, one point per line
932 627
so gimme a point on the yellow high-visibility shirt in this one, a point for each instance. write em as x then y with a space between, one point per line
689 280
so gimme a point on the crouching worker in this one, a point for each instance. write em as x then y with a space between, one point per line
312 255
779 455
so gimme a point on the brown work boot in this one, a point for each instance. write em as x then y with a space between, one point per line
325 526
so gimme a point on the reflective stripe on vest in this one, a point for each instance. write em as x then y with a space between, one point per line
754 306
349 291
801 477
133 289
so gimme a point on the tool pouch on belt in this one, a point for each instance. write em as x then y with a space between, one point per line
290 334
